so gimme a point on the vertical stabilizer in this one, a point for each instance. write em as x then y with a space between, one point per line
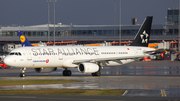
23 39
143 35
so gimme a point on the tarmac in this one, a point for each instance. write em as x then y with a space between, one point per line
152 79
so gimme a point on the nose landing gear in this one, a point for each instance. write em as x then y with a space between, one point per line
23 72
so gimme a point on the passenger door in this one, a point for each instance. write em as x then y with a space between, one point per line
29 55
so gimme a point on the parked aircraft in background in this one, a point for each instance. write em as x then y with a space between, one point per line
87 59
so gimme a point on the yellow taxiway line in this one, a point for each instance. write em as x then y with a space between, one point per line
163 93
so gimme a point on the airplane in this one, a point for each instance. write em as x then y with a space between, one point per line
87 59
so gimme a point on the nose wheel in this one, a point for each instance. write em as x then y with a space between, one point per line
22 75
67 72
23 72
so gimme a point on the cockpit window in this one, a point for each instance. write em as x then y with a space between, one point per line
11 54
19 53
15 53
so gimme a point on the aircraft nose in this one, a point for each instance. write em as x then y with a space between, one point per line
6 61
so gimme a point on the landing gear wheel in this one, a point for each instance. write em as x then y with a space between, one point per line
96 73
67 73
22 75
23 72
93 74
64 73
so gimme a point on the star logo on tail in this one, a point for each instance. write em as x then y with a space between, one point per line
144 37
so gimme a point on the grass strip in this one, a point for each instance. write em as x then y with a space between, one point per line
62 92
34 82
53 91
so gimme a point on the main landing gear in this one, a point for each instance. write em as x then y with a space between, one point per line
23 72
98 73
67 72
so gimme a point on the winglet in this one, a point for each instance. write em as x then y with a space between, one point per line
23 39
143 35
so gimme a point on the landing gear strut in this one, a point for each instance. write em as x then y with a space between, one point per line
23 72
67 72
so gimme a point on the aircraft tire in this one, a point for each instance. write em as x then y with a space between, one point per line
22 75
64 73
96 73
67 73
93 74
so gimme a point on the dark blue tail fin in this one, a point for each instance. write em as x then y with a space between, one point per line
23 39
143 35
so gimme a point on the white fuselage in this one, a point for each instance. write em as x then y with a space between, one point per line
64 56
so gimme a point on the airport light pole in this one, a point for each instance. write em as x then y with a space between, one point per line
114 18
179 28
173 21
48 19
54 20
120 23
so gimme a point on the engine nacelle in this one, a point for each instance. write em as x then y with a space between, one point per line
45 70
88 68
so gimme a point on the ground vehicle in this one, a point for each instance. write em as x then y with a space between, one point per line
2 65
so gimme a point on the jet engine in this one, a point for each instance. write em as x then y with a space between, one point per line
88 68
45 70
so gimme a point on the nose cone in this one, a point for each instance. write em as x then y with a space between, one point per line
7 61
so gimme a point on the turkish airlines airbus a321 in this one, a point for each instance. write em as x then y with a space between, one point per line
85 59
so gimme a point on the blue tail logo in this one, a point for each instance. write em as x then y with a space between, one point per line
23 39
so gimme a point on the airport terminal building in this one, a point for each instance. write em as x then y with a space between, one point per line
90 33
87 33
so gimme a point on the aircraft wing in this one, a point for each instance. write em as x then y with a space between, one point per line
109 59
158 51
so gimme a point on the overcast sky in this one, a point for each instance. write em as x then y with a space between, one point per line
82 12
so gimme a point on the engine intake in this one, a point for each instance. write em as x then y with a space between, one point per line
88 68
